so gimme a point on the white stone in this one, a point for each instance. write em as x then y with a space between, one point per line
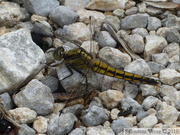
161 58
167 114
154 44
114 114
20 59
111 98
10 14
99 130
148 122
149 102
84 16
40 125
91 47
169 76
114 57
23 115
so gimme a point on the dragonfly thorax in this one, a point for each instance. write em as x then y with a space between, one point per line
58 53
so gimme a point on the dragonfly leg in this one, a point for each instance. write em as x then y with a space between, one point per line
70 70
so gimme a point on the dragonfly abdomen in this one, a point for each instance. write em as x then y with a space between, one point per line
102 68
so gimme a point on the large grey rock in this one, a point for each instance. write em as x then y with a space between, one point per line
161 58
171 21
40 7
172 35
155 67
134 21
153 23
149 102
7 101
140 31
11 14
172 49
63 16
119 125
94 116
35 96
20 59
61 125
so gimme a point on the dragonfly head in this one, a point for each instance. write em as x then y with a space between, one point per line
58 53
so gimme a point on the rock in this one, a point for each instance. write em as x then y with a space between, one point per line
119 125
149 90
104 39
113 21
26 130
136 43
11 14
7 101
40 125
61 125
155 67
91 47
23 115
148 122
177 100
75 32
35 96
14 70
63 16
140 67
142 114
105 5
76 109
131 11
128 102
84 16
167 90
162 32
169 76
94 116
96 102
140 21
172 49
175 66
140 31
50 81
114 57
167 114
153 23
43 28
130 90
171 21
99 130
119 13
153 11
76 4
161 58
149 102
172 35
177 86
43 7
78 131
154 44
130 4
111 98
114 114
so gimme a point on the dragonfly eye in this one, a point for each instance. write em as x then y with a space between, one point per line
58 53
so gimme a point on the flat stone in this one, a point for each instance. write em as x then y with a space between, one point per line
16 52
99 130
139 21
154 44
35 96
23 115
105 5
43 7
114 57
136 43
94 116
11 13
40 125
111 98
131 11
63 16
167 114
148 122
76 4
169 76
